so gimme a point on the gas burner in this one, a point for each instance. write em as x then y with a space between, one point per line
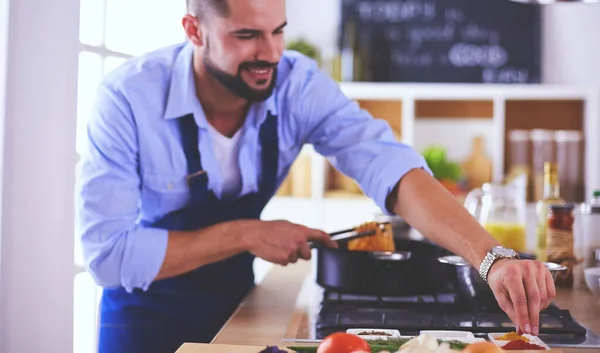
410 315
351 299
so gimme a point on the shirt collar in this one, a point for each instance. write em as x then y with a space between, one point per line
182 100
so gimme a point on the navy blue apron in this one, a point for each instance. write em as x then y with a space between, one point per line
191 307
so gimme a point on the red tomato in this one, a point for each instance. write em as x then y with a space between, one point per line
341 342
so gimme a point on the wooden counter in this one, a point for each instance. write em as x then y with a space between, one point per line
269 311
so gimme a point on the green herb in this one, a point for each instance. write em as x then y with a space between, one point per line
377 345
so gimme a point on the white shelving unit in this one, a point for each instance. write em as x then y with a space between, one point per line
505 104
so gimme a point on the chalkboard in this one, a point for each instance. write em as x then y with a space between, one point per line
474 41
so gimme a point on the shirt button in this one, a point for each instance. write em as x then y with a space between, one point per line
170 186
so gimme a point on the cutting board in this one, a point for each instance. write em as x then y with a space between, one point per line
230 348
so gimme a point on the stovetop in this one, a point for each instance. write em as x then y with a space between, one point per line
339 312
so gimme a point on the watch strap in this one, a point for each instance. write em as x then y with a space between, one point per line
490 258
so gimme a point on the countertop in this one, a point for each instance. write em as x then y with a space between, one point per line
271 312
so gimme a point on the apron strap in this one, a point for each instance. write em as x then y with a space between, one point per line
197 178
269 141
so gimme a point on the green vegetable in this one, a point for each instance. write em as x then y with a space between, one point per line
378 345
442 169
304 47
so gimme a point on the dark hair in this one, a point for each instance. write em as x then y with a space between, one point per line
202 8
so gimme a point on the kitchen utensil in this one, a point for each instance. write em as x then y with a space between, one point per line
412 269
477 167
348 234
476 293
502 209
592 279
400 228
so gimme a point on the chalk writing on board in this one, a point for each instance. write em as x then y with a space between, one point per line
395 12
448 40
472 55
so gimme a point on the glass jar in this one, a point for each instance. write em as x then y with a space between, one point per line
520 156
569 157
544 150
502 211
560 247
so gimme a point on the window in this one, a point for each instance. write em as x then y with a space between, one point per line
111 31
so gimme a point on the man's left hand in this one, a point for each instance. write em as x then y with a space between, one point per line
522 288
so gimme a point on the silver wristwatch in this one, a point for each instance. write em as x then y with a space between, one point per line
496 253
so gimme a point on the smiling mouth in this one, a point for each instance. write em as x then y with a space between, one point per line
260 74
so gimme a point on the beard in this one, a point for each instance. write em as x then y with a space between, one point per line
236 84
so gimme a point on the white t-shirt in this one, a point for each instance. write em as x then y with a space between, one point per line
226 152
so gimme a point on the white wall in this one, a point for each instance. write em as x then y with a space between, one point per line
571 53
3 56
316 21
36 255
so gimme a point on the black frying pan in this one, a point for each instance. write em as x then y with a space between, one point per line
413 269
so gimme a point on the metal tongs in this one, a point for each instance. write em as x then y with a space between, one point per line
351 233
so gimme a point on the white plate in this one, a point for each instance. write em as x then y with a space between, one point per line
456 336
532 339
450 334
357 331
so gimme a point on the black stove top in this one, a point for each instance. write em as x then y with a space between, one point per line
410 315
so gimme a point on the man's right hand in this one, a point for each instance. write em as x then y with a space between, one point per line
281 242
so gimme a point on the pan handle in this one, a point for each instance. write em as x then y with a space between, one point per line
391 255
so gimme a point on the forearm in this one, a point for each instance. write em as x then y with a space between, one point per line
428 207
188 250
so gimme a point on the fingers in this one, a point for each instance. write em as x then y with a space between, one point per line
304 251
540 277
320 236
513 282
293 258
506 305
534 295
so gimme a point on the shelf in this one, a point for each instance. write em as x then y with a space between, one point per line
546 114
337 185
552 115
388 110
299 181
473 109
452 115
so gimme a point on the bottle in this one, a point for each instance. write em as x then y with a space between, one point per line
551 196
560 242
351 61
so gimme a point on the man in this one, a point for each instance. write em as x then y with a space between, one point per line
187 144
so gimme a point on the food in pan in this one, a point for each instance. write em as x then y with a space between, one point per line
382 240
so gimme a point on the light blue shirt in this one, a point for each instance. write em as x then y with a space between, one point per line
133 167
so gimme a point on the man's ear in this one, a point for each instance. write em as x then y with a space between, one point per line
191 25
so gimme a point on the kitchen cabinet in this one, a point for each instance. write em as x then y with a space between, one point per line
454 115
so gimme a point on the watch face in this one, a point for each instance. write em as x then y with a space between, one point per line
502 251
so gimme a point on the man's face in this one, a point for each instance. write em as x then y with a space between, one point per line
242 50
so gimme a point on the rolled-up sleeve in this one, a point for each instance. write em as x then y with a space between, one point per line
117 251
360 146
